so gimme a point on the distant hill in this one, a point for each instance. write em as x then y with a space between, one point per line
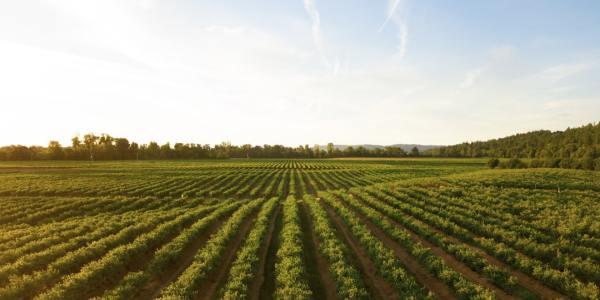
405 147
573 143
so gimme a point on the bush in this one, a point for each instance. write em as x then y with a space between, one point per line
514 163
536 163
493 163
552 163
587 163
567 163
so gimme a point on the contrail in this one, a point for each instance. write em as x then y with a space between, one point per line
391 11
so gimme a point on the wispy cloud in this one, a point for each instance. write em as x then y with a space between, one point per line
501 54
332 62
495 57
189 63
471 78
313 14
392 7
403 39
393 15
562 71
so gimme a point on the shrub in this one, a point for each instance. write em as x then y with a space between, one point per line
493 163
552 163
514 163
536 163
567 163
587 163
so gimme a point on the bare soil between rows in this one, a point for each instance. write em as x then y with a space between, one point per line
267 286
215 279
261 275
450 260
523 279
421 274
153 289
376 285
320 280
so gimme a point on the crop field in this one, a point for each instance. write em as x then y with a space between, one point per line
297 229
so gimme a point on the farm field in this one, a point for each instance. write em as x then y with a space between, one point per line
297 229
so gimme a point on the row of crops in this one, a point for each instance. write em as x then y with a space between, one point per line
454 237
224 179
224 184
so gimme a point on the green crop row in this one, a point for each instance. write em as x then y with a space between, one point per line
388 265
243 268
560 280
349 284
208 257
461 286
473 259
290 273
166 256
116 261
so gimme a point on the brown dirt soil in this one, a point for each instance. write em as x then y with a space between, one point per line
216 278
379 287
267 287
422 275
317 266
310 189
320 185
136 264
101 287
255 286
264 185
154 287
523 279
453 262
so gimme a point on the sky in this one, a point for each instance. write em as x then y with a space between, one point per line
296 72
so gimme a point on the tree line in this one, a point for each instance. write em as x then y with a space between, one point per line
106 147
572 148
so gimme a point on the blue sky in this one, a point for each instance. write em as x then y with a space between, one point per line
296 72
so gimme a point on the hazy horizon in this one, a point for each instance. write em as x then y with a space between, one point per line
65 142
296 72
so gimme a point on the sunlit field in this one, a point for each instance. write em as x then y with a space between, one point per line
320 229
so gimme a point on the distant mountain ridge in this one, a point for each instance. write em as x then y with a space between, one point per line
405 147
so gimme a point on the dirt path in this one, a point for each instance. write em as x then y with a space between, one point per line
209 288
452 261
153 288
422 275
267 287
377 286
320 280
255 287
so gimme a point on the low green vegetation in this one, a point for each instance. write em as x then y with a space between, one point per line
298 229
